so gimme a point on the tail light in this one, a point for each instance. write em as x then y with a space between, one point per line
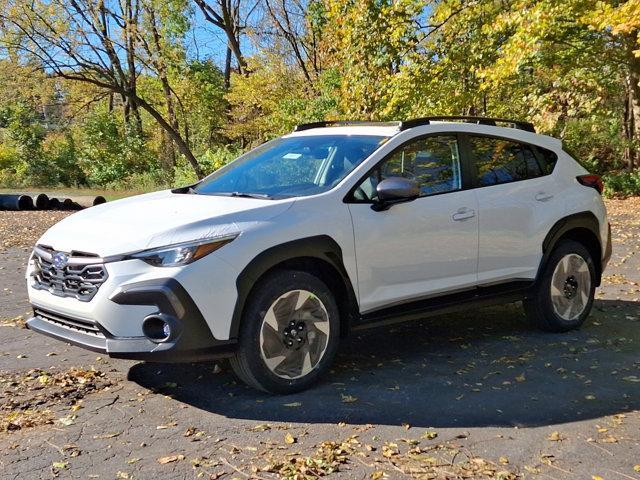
593 181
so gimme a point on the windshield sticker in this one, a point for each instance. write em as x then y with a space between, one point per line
292 156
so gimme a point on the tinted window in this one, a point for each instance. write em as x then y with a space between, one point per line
292 166
433 162
549 160
503 161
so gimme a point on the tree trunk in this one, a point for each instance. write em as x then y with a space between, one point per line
227 68
180 142
633 66
627 126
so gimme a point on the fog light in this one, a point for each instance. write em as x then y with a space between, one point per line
160 328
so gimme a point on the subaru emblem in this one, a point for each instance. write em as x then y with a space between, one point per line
60 260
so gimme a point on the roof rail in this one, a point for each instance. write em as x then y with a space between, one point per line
345 123
520 125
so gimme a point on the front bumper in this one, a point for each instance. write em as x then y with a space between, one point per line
191 339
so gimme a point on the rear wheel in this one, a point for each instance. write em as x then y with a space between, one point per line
565 291
289 333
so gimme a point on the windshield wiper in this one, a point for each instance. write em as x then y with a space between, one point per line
250 195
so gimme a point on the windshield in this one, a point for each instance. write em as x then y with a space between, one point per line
292 167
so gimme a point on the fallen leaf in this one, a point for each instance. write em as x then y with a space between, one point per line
289 439
68 420
349 399
60 465
263 427
521 378
170 459
555 437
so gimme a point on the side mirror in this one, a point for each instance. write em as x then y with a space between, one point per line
394 190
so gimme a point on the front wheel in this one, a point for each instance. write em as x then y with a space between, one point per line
289 333
564 295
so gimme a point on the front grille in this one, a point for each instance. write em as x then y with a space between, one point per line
76 324
79 279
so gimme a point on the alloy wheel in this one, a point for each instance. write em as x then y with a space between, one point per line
294 334
570 286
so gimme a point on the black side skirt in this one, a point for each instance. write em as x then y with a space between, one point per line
478 297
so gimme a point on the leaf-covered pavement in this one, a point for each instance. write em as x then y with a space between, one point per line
472 395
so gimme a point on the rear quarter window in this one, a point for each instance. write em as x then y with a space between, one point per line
548 159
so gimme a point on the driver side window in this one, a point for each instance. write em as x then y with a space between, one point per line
434 162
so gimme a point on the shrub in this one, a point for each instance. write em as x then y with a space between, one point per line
622 184
210 161
111 152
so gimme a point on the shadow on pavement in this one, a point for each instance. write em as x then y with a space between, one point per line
475 369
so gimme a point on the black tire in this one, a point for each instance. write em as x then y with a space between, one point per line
247 361
540 309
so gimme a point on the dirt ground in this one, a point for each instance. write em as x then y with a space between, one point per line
472 395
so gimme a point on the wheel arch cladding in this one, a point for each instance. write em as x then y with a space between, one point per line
583 228
319 255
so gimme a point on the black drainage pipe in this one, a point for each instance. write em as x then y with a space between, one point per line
54 204
16 202
41 201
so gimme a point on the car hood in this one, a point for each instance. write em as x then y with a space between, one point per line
157 219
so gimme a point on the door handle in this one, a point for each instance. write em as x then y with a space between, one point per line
543 196
463 214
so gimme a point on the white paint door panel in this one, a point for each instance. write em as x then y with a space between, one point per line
514 220
415 249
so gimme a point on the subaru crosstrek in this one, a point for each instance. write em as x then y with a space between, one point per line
334 227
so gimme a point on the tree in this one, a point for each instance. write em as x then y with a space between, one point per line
299 26
230 16
94 43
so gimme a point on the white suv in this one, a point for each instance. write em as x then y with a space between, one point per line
334 227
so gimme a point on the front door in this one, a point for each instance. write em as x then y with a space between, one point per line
420 248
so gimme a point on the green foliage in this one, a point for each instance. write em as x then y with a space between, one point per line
110 152
595 143
622 184
275 98
211 160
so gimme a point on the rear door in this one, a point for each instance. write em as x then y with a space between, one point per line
518 204
423 247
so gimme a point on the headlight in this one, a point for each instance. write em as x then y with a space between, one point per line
181 253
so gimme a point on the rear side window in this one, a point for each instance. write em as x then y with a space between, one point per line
548 160
503 161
